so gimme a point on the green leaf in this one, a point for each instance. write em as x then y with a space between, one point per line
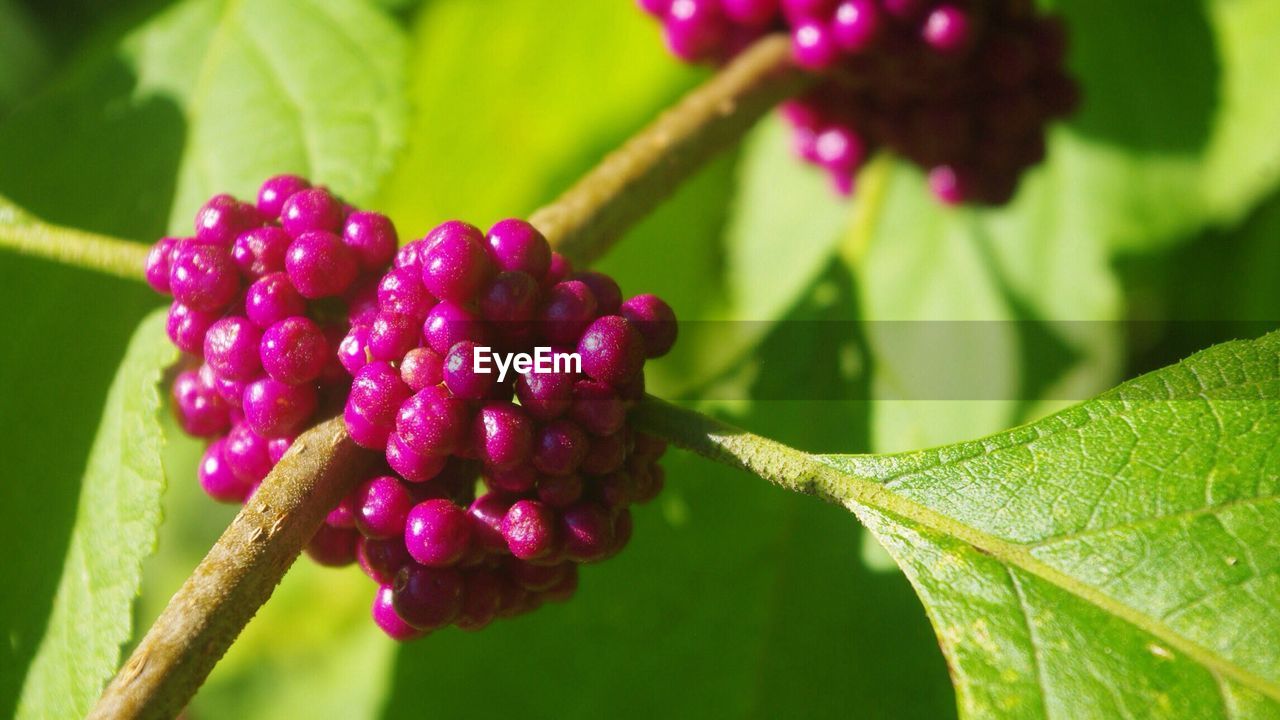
115 529
24 58
1116 559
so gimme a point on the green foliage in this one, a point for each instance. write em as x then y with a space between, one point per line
114 530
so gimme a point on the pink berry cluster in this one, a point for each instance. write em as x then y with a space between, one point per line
260 297
557 461
962 88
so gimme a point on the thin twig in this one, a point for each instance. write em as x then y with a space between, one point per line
593 214
242 569
24 234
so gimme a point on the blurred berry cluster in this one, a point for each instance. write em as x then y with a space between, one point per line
963 88
492 492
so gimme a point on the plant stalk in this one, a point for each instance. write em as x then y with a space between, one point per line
249 560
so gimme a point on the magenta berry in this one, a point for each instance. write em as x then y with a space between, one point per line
449 324
311 210
332 546
343 515
558 271
220 220
656 322
392 335
247 454
559 491
385 616
159 261
203 277
382 507
948 29
272 298
231 348
514 480
857 25
260 251
597 407
275 409
695 29
186 327
455 264
460 375
503 435
377 392
217 477
567 310
353 351
545 396
294 350
437 533
510 298
401 291
612 350
587 530
814 45
481 598
486 513
433 421
604 289
382 559
373 238
516 246
365 431
752 13
427 598
422 367
319 265
559 447
413 466
530 529
277 447
274 191
200 410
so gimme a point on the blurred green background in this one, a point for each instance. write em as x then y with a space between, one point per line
1158 203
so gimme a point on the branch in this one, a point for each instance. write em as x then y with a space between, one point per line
242 569
28 236
588 218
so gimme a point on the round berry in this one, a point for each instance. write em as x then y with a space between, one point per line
753 13
410 464
559 447
655 320
949 184
481 596
277 447
529 528
353 351
272 298
385 617
567 310
362 302
220 220
427 598
460 374
311 210
158 264
537 577
275 409
814 46
217 478
373 238
200 410
612 350
343 515
365 431
332 546
422 367
558 270
694 29
437 533
455 264
203 277
511 298
597 407
857 25
273 193
382 507
559 491
948 29
604 289
606 454
377 392
487 513
409 257
246 454
401 291
231 348
382 559
186 327
260 251
231 391
449 324
797 11
294 350
503 435
319 265
433 421
587 530
545 396
516 246
392 335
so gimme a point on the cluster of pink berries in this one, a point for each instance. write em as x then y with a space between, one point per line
550 441
278 304
963 88
260 293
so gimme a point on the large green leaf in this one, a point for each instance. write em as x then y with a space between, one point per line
115 529
1116 559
